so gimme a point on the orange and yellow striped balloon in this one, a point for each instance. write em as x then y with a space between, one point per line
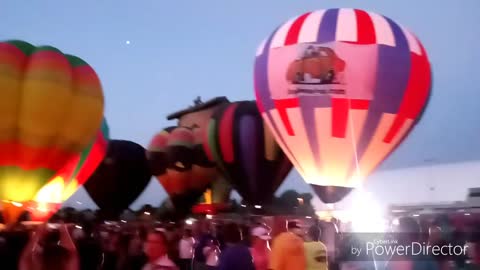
51 108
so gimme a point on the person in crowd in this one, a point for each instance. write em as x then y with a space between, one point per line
236 255
435 238
434 235
260 249
459 239
205 238
78 233
110 251
331 238
174 235
185 249
156 249
245 232
348 261
136 258
473 250
122 252
13 245
408 231
89 249
211 251
217 233
288 251
315 250
50 250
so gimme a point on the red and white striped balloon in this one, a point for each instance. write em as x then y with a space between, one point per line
340 89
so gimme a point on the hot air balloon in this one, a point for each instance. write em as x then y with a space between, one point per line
183 172
119 179
197 117
340 89
68 179
51 106
246 152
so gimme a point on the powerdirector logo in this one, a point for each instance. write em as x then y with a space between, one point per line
398 246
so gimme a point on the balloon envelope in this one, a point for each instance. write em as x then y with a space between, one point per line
51 108
340 89
180 165
66 181
245 151
76 172
197 118
120 178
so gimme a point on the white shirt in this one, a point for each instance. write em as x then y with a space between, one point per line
185 248
164 263
211 256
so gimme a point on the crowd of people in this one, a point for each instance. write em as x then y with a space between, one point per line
212 245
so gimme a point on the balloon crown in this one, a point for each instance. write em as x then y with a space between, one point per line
197 101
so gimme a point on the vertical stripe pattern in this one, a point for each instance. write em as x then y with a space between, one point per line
254 164
335 140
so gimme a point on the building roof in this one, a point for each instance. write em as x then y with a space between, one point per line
472 202
199 105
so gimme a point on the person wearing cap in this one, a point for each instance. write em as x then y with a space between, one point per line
288 251
260 249
315 250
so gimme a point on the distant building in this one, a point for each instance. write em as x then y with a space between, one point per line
470 205
423 190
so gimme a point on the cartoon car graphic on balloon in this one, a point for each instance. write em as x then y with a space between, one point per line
316 65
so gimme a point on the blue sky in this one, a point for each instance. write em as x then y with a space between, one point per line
182 49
